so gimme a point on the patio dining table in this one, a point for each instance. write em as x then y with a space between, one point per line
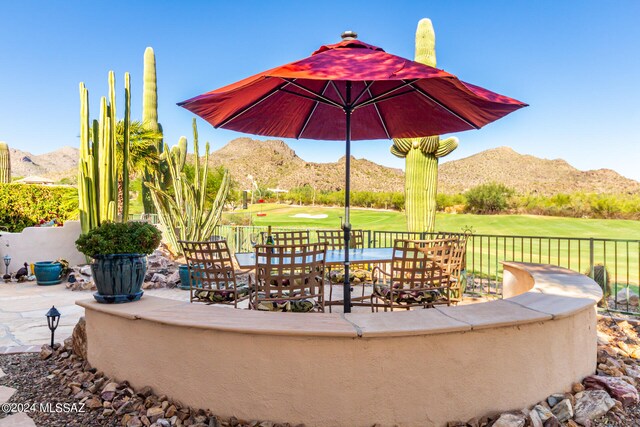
334 257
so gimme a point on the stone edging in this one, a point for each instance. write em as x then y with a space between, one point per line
20 349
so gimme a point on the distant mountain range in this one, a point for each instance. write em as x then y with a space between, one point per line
275 165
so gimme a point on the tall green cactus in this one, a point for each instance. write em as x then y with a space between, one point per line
5 163
150 119
97 170
422 154
183 214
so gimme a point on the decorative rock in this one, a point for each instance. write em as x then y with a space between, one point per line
159 278
617 388
534 419
45 352
85 270
145 392
543 413
592 404
632 297
563 410
155 413
133 422
510 420
93 403
171 411
554 399
552 422
79 339
173 279
109 391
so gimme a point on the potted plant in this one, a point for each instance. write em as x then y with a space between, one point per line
50 272
119 252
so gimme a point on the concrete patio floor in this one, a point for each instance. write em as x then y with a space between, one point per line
23 307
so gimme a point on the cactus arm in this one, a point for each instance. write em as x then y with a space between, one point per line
111 140
196 153
397 152
425 43
150 91
125 147
205 174
446 146
85 164
5 163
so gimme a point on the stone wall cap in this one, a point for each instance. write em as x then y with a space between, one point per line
556 293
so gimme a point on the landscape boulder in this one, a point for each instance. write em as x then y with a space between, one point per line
616 387
591 404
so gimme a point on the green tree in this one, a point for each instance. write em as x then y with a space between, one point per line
488 198
143 152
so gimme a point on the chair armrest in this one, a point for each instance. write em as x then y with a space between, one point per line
375 270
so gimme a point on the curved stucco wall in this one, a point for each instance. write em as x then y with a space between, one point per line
416 368
34 244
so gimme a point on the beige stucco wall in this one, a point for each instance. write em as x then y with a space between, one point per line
418 368
35 244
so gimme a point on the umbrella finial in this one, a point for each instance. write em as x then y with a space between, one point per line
349 35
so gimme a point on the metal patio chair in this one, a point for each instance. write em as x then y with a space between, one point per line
289 278
212 274
419 276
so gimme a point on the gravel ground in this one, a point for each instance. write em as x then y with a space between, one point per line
31 377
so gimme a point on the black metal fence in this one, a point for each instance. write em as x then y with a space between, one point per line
620 258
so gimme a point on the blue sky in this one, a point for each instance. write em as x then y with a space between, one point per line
575 62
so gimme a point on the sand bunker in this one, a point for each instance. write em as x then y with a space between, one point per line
318 216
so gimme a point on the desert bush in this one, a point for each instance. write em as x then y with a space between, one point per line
488 198
444 201
27 205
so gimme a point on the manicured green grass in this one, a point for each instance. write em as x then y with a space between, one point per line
525 225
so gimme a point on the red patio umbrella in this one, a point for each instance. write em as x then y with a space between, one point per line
351 91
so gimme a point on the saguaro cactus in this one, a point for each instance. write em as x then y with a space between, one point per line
422 154
5 163
183 214
97 170
150 118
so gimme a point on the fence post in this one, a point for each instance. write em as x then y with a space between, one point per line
591 257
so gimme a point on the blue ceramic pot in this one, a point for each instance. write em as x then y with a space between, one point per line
48 273
183 270
118 277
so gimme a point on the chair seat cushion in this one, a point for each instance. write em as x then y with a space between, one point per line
409 296
356 275
293 306
220 295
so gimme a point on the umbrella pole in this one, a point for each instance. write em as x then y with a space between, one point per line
347 187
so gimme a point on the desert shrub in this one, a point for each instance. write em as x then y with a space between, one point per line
444 201
27 205
131 237
488 198
580 205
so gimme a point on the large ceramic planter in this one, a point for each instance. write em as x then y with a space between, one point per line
118 277
48 273
183 270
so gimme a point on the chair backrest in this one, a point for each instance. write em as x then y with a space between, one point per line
458 260
210 264
420 264
288 238
334 239
290 272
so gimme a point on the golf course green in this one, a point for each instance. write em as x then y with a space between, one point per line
279 215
